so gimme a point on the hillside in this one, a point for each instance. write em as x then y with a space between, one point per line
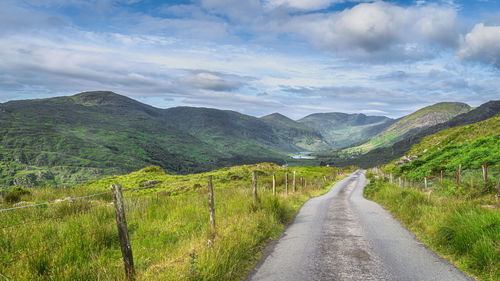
67 140
293 132
469 146
412 124
341 129
90 135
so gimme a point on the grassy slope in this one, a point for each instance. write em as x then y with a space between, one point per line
342 130
470 145
461 222
168 225
412 124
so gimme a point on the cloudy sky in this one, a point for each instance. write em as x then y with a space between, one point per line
295 57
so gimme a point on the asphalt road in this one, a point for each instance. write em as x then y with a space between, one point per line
342 236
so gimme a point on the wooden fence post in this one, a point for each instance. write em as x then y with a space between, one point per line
302 181
254 185
399 181
485 172
293 182
286 182
441 176
458 179
274 184
425 182
211 208
460 173
121 223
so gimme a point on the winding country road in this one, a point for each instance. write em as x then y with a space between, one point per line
342 236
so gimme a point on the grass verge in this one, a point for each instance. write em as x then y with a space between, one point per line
463 227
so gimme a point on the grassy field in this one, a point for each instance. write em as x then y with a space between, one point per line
168 225
461 223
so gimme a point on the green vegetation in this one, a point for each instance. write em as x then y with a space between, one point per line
168 225
70 140
412 124
462 223
469 146
341 129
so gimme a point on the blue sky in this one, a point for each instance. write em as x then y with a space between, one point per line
257 57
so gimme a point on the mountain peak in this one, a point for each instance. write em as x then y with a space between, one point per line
275 115
102 98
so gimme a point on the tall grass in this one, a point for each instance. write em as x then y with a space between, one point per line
168 224
460 223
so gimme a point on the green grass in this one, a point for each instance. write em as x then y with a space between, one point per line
462 224
168 226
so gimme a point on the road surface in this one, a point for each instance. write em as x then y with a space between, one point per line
342 236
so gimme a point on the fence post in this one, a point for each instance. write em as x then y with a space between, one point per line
293 183
399 181
254 184
460 173
286 182
302 181
458 179
425 182
274 184
211 208
441 176
121 223
485 172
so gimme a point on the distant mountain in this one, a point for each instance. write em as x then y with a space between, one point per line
95 134
385 155
412 124
341 129
295 133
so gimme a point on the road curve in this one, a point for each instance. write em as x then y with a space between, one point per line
342 236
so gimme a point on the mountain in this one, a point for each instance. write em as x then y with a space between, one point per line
341 129
295 133
412 124
66 140
383 155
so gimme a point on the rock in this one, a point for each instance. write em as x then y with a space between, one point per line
20 203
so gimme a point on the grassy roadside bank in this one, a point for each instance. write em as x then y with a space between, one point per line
168 225
460 224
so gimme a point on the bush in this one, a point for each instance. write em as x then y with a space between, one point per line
15 195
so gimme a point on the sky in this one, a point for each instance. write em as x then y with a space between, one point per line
256 57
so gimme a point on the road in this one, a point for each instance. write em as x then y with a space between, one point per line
342 236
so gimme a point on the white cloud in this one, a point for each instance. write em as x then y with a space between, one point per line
482 44
379 30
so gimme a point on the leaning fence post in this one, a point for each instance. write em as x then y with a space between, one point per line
211 208
121 223
254 184
286 182
274 184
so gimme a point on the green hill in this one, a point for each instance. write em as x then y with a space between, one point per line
412 124
469 146
67 140
341 129
295 133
